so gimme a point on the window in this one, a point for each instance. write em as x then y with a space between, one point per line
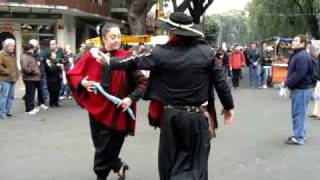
98 2
41 32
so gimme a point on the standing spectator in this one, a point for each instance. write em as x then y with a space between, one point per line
38 86
47 53
300 83
254 66
315 54
82 50
268 57
8 77
53 73
183 73
219 55
109 125
65 92
236 62
225 63
30 76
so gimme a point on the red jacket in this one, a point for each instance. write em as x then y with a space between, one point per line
237 60
98 106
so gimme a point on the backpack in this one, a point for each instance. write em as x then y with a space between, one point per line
315 70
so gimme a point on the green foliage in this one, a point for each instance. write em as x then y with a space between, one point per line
232 28
284 18
211 28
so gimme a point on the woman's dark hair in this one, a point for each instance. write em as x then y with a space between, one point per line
104 28
26 47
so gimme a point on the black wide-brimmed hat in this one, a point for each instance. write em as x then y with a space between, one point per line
180 24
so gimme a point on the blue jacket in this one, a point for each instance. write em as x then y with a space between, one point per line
253 56
300 70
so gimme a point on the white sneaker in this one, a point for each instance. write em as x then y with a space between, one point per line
265 86
70 97
33 111
37 109
42 106
61 98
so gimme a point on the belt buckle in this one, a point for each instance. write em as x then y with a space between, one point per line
188 108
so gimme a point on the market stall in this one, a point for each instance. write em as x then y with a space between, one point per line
282 51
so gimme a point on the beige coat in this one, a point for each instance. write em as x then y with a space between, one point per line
8 67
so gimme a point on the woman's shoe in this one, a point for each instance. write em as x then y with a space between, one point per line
122 171
101 178
312 115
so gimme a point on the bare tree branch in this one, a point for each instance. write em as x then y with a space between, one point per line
299 5
208 4
182 7
175 7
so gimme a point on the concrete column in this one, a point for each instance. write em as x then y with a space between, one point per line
60 32
66 31
17 35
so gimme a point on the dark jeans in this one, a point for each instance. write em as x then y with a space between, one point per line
236 73
31 87
254 76
107 144
300 99
54 98
65 90
44 87
226 70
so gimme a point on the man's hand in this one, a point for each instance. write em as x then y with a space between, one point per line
125 103
228 116
103 59
87 84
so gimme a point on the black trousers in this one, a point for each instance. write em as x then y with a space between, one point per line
39 89
54 98
31 87
107 144
236 73
184 146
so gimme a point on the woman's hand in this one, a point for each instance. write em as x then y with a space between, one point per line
87 84
103 59
125 103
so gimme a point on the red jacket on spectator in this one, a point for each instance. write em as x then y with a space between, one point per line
237 60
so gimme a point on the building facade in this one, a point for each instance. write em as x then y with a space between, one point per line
68 21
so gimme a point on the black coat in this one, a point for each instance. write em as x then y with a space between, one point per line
181 75
53 74
300 70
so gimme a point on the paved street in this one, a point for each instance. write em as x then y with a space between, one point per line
56 145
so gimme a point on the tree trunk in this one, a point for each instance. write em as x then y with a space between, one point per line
314 26
310 8
195 7
137 13
182 7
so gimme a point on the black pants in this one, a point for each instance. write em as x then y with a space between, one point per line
31 87
184 146
236 73
107 143
54 98
39 89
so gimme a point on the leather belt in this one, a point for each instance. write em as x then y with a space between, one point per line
196 109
